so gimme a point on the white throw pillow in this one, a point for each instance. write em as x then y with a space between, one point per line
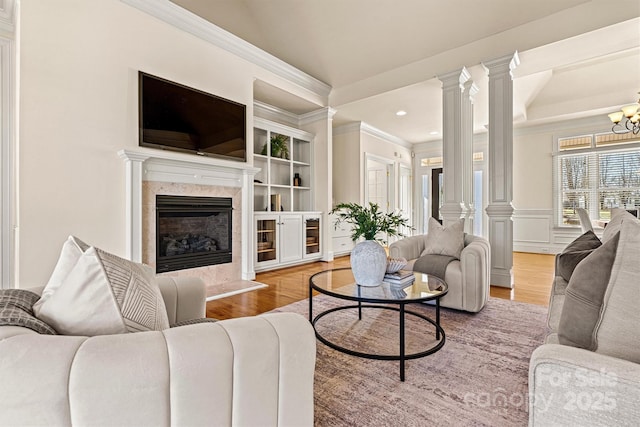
72 250
444 240
105 294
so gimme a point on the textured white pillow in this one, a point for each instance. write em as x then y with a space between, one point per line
72 250
105 294
444 240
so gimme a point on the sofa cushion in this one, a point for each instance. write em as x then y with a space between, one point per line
105 294
575 252
617 332
584 297
618 215
442 240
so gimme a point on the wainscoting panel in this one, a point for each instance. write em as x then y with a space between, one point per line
532 230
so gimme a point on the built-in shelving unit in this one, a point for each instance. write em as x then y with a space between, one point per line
284 183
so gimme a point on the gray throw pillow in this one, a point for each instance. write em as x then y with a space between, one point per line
585 295
575 252
16 309
442 240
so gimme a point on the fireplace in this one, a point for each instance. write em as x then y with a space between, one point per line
192 232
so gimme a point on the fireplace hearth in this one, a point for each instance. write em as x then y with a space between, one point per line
192 232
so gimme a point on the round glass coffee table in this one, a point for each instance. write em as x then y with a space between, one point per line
339 283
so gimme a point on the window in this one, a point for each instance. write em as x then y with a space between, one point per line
596 172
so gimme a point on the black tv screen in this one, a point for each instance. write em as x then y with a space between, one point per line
176 117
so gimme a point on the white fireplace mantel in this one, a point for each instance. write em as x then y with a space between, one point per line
146 164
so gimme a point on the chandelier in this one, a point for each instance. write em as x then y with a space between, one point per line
627 120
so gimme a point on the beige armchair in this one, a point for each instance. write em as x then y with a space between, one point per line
467 278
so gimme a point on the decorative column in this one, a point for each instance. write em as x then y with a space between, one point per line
453 131
500 209
470 90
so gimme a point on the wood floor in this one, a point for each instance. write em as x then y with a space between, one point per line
533 275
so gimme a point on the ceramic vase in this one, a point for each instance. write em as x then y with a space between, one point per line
368 263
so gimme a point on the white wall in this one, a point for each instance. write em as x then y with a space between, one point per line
78 106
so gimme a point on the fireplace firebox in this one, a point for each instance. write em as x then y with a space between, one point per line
192 232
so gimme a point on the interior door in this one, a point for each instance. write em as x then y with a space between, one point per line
405 194
436 193
378 183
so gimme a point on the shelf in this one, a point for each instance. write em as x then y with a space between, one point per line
266 231
264 251
280 186
313 228
301 188
297 163
312 244
260 156
279 160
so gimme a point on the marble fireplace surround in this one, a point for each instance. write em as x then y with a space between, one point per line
150 172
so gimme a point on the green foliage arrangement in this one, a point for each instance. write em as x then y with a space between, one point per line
369 221
279 147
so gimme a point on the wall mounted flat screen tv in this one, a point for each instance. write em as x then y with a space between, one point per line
177 117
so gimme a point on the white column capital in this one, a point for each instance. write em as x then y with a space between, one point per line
471 89
454 78
503 65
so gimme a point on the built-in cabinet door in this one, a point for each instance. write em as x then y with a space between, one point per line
267 239
312 236
290 232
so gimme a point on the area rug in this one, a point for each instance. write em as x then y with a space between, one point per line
479 377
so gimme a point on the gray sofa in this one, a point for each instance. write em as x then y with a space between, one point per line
577 386
467 278
247 371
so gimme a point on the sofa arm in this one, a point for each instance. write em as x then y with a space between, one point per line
408 248
247 371
573 386
184 297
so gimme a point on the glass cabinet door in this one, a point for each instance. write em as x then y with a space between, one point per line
266 244
312 236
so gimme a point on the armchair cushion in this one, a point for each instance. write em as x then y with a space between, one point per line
445 240
104 294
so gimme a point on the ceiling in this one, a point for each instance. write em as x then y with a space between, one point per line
578 58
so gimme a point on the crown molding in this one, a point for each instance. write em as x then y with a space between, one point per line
270 112
372 131
175 15
325 113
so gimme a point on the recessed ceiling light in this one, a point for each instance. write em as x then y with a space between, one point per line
401 113
434 132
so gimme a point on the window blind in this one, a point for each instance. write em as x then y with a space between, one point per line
603 175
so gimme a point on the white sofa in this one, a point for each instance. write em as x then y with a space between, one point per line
467 278
571 386
247 371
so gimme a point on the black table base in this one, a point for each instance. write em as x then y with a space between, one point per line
402 357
